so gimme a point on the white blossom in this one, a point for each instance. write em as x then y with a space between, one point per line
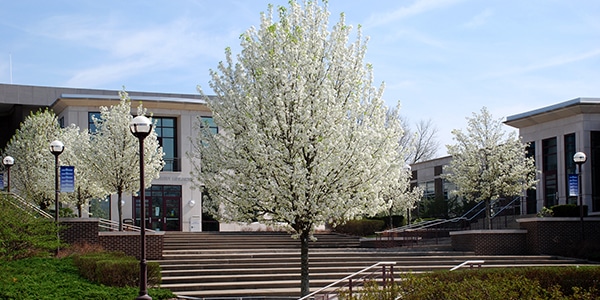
304 137
114 152
487 163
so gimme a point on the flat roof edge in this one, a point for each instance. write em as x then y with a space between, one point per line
135 98
561 105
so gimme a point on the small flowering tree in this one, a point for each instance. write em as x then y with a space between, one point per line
33 172
114 157
487 163
304 135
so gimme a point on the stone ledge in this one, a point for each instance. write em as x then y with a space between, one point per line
492 231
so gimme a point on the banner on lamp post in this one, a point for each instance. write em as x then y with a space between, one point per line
67 179
573 185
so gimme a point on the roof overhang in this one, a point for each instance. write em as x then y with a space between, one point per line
149 102
554 112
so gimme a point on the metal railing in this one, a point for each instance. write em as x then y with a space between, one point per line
26 206
386 269
470 263
110 225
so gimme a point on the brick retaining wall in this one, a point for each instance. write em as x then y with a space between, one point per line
86 231
490 242
560 236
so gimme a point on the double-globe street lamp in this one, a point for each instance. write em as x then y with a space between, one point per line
580 158
56 148
141 127
8 162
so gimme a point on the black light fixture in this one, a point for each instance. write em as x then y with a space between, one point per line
141 127
8 162
56 148
580 158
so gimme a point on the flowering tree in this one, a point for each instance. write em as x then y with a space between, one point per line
77 153
305 139
114 156
33 172
487 163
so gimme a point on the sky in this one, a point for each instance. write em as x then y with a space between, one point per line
443 60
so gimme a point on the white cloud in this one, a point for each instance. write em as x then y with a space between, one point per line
480 19
416 8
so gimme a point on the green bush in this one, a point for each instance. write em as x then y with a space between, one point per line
518 283
567 210
115 269
363 227
23 235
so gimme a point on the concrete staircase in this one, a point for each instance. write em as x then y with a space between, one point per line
267 264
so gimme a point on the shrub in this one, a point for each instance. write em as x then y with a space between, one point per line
363 227
23 235
114 269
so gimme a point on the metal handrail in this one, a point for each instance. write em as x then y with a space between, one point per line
111 225
26 205
510 204
349 277
470 263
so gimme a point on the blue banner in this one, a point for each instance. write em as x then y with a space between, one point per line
67 179
1 181
573 185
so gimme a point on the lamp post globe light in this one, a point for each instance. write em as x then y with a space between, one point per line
141 127
56 148
8 162
580 158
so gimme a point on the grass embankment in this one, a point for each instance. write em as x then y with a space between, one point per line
58 278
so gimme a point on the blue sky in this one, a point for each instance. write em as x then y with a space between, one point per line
443 59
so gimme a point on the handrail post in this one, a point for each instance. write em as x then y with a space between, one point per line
350 287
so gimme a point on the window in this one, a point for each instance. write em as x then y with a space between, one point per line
549 164
210 123
594 169
531 193
91 126
166 130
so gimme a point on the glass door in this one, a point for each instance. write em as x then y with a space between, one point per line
163 207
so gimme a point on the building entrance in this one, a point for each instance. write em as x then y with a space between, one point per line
163 208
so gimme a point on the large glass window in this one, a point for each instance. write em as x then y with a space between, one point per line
594 168
91 126
531 193
166 130
210 123
549 162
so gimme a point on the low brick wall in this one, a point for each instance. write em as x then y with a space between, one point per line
79 230
490 242
86 231
129 243
560 236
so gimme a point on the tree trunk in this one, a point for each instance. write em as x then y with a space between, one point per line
304 272
120 208
488 214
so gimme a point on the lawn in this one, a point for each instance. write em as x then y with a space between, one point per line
58 278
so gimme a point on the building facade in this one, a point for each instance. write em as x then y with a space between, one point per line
555 133
173 203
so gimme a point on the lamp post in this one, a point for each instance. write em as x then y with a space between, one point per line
141 127
580 158
56 148
8 162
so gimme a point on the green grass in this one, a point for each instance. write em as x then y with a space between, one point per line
58 278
